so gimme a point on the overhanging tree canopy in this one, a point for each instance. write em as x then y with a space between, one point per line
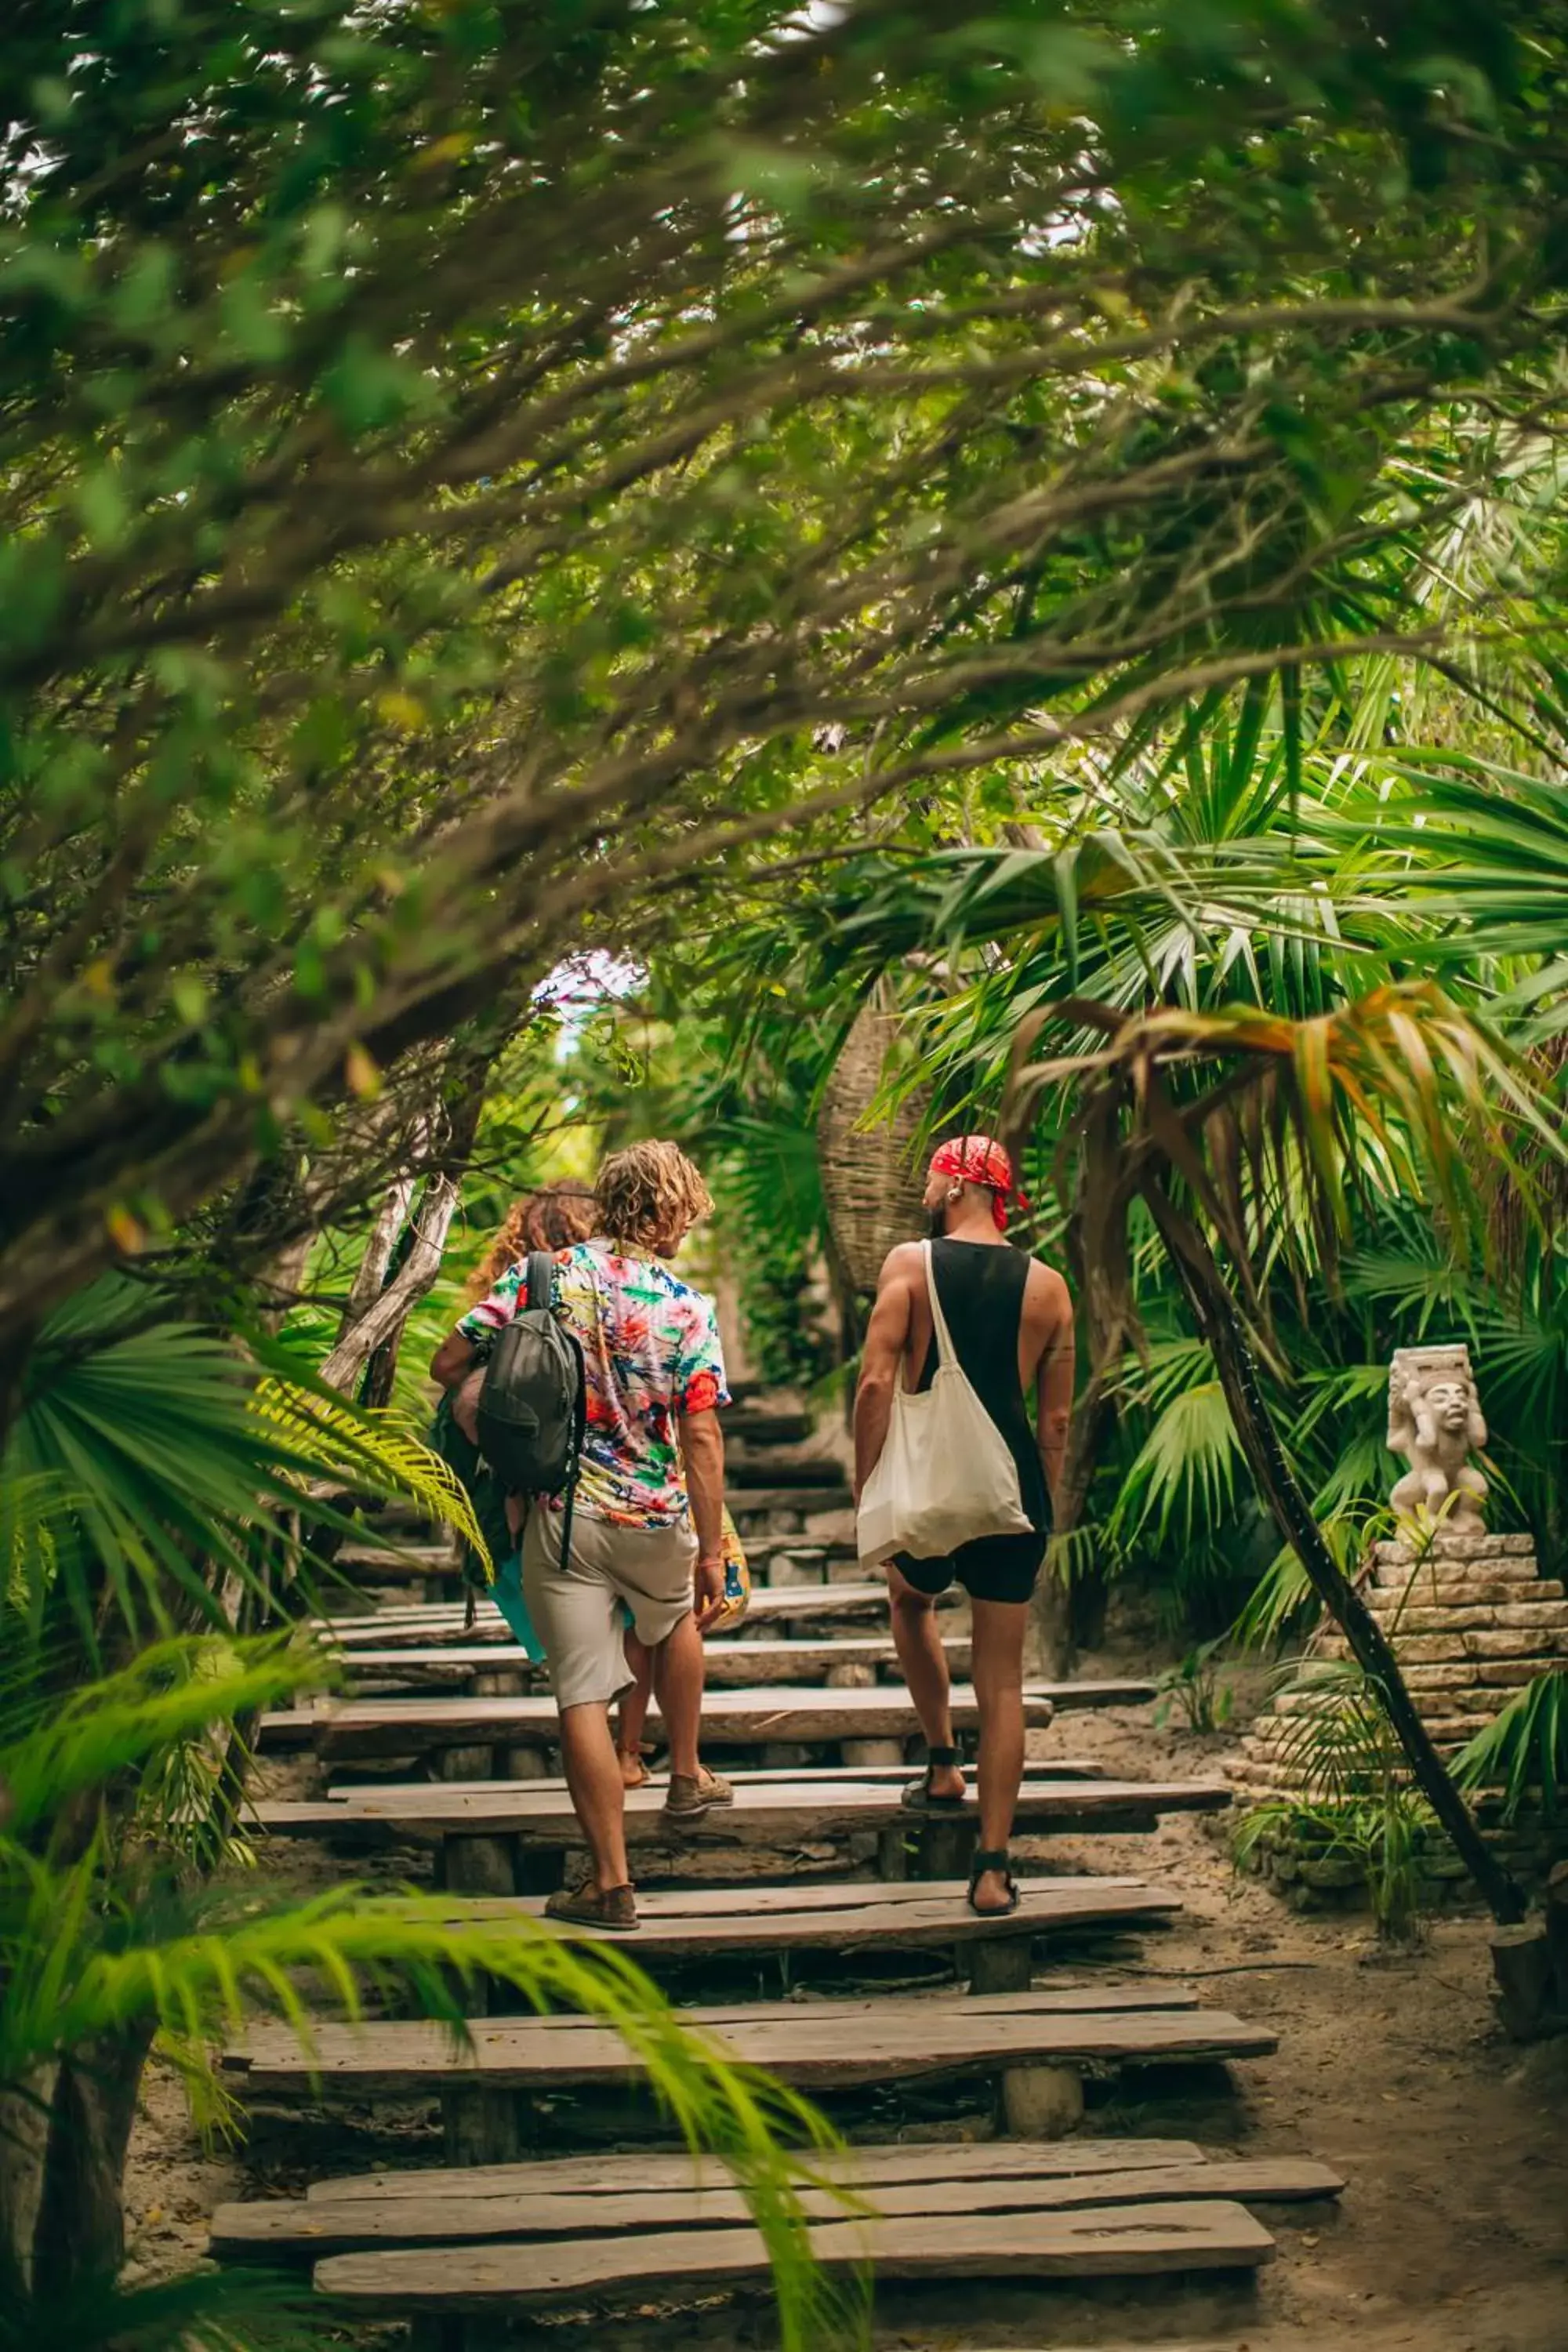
468 467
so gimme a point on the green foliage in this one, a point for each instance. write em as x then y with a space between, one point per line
105 1930
201 2311
1525 1748
470 469
149 1455
1384 1841
1356 1802
1195 1689
741 1098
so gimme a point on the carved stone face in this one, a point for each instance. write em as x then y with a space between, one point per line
1450 1403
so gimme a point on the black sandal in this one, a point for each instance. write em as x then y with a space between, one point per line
918 1798
980 1864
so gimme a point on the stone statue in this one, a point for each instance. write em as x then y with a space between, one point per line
1435 1419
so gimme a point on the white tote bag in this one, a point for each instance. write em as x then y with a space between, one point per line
946 1474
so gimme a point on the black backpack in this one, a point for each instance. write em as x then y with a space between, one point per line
532 1408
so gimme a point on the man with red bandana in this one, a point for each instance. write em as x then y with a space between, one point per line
1011 1327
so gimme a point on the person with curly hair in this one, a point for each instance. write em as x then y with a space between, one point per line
551 1219
647 1524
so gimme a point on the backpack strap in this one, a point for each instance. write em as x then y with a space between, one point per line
542 1279
541 1293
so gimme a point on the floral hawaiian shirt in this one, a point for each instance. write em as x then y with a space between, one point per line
651 1351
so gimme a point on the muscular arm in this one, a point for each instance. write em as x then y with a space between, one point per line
702 1454
887 1336
1053 1410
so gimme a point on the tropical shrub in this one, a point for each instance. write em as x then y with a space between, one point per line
1524 1749
115 1940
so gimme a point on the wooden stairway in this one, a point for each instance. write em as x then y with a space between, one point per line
807 1682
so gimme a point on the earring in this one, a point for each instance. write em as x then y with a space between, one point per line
955 1191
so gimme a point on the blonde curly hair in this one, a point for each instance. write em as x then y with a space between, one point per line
649 1190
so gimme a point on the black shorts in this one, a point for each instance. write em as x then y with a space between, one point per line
992 1567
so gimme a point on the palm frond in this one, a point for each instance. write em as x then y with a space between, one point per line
109 1933
165 1450
200 2310
1524 1748
1187 1473
53 1745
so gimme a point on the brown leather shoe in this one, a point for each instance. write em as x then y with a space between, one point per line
613 1907
691 1793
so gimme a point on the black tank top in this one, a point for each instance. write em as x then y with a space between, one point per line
982 1292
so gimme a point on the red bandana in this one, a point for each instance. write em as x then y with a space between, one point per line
976 1159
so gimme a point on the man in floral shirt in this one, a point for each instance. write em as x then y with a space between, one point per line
648 1536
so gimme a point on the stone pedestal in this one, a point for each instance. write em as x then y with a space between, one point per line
871 1751
1471 1621
501 1682
1041 2102
1006 1965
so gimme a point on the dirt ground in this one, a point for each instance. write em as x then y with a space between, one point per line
1453 2232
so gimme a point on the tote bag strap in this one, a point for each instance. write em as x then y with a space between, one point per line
947 1354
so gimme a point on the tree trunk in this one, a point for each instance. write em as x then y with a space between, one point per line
382 1319
80 2236
1054 1618
24 2144
375 1266
1220 1324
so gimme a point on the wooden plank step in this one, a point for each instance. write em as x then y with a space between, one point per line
869 2167
1100 2241
429 1556
1088 1998
770 1776
819 2045
824 1494
376 1566
768 1815
806 1896
303 2227
940 1918
798 1714
421 1623
1078 1693
764 1548
762 1424
748 1467
753 1662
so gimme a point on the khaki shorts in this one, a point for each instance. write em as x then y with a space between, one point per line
576 1610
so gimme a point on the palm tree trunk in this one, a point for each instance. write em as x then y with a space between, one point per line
24 2143
1055 1618
80 2236
1219 1321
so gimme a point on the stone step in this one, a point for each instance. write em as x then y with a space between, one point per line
1447 1550
1544 1608
1459 1643
1491 1680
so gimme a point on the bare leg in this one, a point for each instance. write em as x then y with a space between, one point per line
598 1799
924 1663
677 1675
633 1715
999 1629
